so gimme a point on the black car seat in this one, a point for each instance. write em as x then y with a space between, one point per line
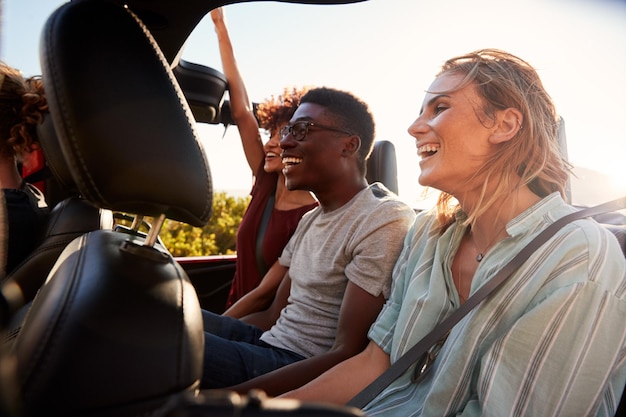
382 165
116 329
68 219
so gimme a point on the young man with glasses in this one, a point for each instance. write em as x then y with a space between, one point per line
335 273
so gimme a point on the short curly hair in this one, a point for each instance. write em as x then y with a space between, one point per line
351 113
277 110
22 106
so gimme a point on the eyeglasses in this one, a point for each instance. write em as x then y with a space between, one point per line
426 361
299 130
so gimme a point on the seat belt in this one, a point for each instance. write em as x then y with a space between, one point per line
420 348
260 234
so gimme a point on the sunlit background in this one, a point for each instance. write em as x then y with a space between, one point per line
387 52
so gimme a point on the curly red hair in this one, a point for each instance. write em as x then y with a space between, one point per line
277 110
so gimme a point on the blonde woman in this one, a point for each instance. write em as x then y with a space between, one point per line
551 341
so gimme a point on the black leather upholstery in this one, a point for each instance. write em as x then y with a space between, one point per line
382 165
116 330
110 94
204 89
55 160
113 338
68 219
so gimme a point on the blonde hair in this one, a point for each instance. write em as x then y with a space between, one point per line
506 81
22 105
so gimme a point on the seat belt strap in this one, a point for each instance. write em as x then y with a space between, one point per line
260 234
413 354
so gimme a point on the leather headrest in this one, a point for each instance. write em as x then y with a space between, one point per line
204 89
55 160
123 125
118 338
382 165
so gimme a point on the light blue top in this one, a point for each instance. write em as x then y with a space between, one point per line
550 342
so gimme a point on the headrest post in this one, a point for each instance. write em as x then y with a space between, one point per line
153 234
136 223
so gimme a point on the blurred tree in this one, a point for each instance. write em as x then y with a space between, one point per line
217 237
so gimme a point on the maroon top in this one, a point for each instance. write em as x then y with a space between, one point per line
281 226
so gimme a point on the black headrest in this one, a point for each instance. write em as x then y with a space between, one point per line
204 89
118 338
55 160
123 124
382 165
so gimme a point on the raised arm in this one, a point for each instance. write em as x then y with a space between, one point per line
241 109
358 311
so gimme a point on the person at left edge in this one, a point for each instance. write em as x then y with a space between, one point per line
22 107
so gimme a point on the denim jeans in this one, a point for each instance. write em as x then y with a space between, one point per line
234 353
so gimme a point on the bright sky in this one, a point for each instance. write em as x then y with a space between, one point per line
387 52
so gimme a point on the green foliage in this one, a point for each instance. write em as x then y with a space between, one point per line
217 237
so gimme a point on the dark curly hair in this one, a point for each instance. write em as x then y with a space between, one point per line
277 110
22 106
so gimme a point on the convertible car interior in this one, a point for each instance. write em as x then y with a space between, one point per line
116 330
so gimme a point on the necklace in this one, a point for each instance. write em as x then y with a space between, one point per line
481 254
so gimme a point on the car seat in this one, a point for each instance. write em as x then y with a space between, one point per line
116 329
69 218
382 165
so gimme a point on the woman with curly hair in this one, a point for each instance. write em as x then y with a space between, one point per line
22 105
269 186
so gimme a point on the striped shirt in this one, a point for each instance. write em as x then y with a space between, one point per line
550 342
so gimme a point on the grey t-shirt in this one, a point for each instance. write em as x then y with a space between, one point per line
359 242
